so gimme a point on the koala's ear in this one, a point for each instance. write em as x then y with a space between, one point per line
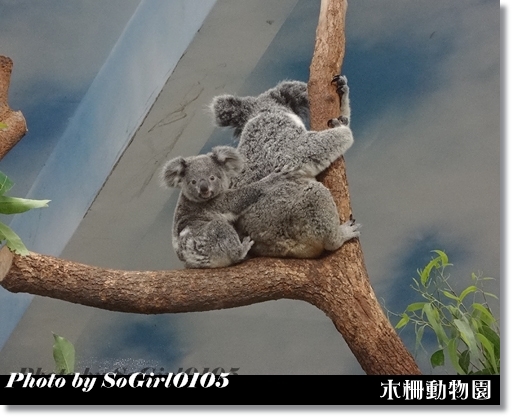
173 172
226 109
229 158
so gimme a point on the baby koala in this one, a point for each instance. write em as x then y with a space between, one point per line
203 233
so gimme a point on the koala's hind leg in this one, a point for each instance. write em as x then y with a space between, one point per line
320 228
341 234
217 246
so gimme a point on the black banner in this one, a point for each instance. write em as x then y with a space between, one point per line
225 389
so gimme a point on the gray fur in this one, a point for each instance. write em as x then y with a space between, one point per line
301 220
203 232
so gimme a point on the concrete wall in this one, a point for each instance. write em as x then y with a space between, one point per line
106 119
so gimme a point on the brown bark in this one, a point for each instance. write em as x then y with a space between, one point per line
16 125
338 284
351 303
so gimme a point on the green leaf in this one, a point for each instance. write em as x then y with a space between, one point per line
14 205
415 306
437 358
425 273
467 291
490 294
403 321
64 355
493 337
464 361
442 256
489 348
433 320
486 315
3 125
454 356
450 295
454 311
5 183
13 241
419 336
467 335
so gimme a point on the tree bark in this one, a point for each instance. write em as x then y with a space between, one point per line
16 125
338 283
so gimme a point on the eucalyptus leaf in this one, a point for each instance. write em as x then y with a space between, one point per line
442 256
15 205
433 319
486 315
493 337
467 335
467 291
450 295
437 358
13 241
454 356
464 361
415 306
425 273
419 336
5 183
64 355
403 321
489 348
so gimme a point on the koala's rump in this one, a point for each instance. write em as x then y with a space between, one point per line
291 220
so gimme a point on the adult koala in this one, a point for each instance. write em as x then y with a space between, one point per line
303 220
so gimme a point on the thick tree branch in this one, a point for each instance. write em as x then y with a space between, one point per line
361 316
338 284
16 125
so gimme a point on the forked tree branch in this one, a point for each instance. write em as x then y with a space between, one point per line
338 284
14 120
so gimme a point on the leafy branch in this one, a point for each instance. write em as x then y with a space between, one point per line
14 205
463 323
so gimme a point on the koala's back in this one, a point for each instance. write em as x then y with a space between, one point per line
300 219
268 141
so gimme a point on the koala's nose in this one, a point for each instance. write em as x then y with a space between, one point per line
203 186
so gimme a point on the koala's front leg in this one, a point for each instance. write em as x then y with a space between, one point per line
322 148
343 93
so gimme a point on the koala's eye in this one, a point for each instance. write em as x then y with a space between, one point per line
212 178
193 182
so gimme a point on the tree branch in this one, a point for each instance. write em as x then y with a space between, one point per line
16 125
338 283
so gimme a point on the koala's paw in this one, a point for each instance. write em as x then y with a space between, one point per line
340 121
341 84
350 229
291 172
247 243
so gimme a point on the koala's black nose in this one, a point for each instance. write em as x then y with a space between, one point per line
203 186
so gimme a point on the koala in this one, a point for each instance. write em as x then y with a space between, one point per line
203 233
302 221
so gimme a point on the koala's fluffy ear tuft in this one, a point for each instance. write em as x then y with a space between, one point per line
225 109
229 158
173 172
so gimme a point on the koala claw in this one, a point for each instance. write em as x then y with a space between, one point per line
350 229
283 170
341 84
247 243
340 121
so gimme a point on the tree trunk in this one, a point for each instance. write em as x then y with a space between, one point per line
338 284
14 120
